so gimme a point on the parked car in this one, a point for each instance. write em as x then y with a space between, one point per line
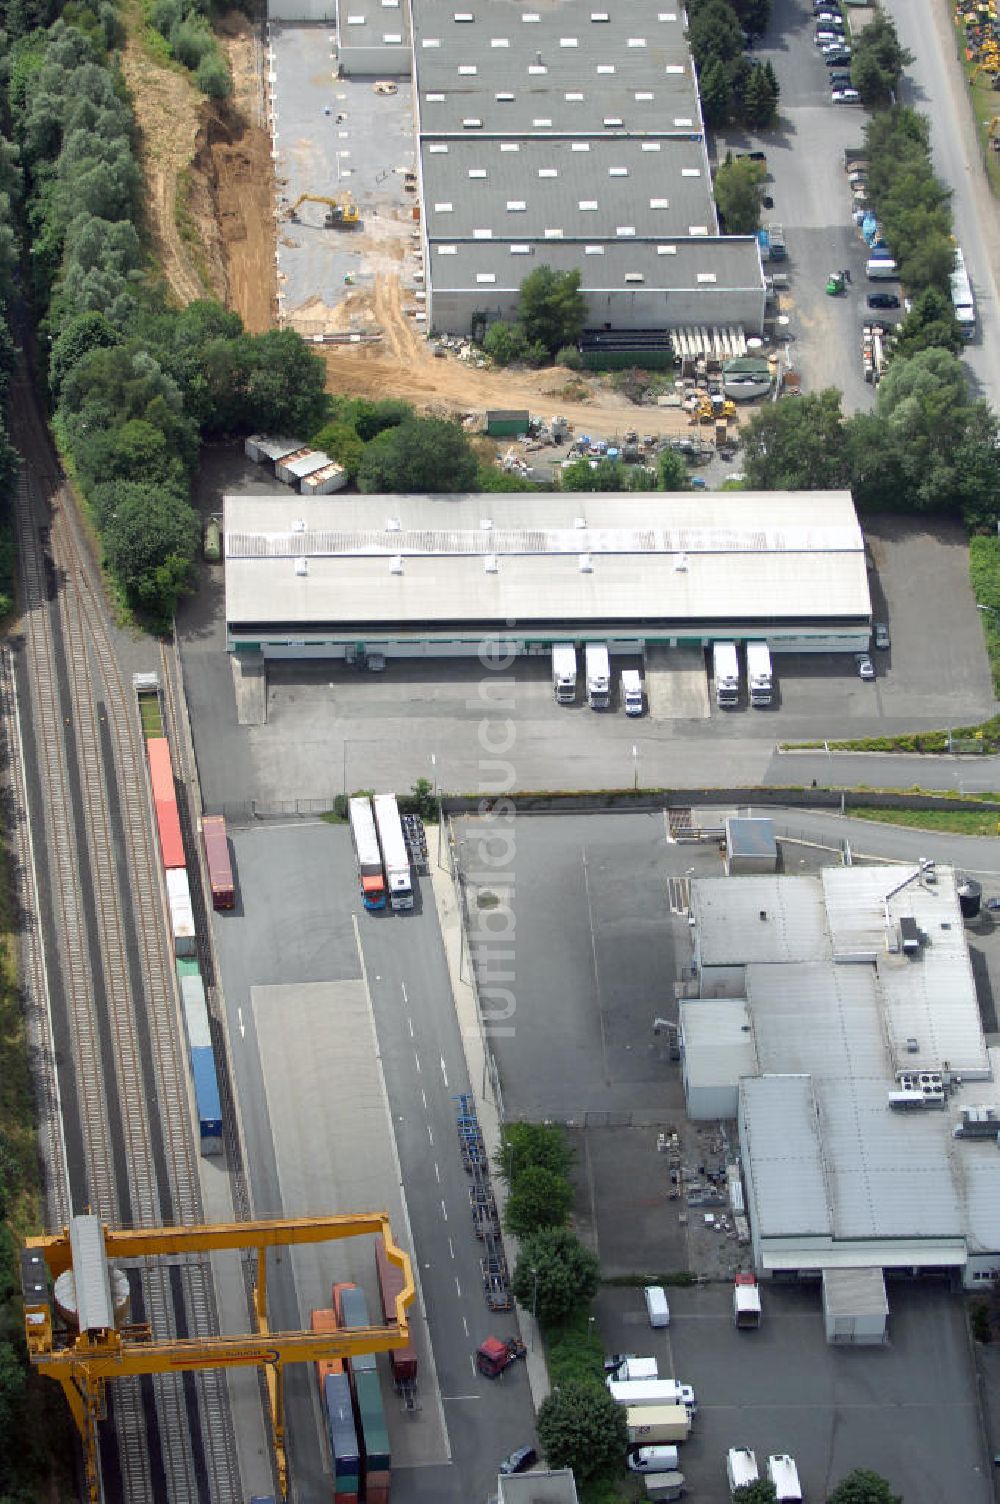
836 57
753 156
881 632
828 19
826 39
883 300
866 669
840 81
845 96
519 1461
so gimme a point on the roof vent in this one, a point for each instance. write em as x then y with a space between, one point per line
681 563
393 525
579 522
301 566
977 1122
491 564
298 525
929 1084
396 564
763 914
912 1046
586 564
486 523
909 935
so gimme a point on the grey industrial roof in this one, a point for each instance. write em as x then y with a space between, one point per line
848 1023
732 932
750 836
399 559
541 54
486 187
718 1041
372 23
701 264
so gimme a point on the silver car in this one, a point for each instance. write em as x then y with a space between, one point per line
866 668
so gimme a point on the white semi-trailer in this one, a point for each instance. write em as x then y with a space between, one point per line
395 857
759 673
598 675
564 673
726 672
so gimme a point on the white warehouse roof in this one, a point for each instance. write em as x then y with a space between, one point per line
548 558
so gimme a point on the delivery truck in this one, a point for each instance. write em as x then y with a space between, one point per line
626 1366
759 674
395 857
632 691
726 672
746 1302
366 852
741 1468
636 1392
648 1425
564 673
598 675
783 1473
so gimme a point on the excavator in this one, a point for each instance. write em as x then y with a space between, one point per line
338 213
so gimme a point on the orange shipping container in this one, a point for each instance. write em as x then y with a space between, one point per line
325 1321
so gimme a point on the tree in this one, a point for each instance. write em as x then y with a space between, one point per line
714 34
797 444
523 1145
738 194
760 103
761 1492
552 308
581 1426
878 62
150 538
286 383
538 1199
554 1273
213 77
930 324
596 475
672 471
508 345
716 93
863 1487
341 442
422 454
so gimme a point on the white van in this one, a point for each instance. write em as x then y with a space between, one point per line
741 1468
657 1308
653 1460
882 269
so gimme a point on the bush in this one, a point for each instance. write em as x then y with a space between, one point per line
508 344
582 1427
524 1146
191 40
569 357
538 1199
213 77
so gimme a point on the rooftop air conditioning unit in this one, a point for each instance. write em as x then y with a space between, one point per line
396 564
301 566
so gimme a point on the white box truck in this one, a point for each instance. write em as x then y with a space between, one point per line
632 691
626 1366
783 1473
726 672
395 858
564 673
741 1468
746 1301
759 676
598 675
648 1425
637 1392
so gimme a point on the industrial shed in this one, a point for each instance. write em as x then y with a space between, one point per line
573 138
425 576
869 1115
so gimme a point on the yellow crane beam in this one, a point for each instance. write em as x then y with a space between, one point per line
83 1364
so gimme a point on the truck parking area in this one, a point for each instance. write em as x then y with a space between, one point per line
907 1410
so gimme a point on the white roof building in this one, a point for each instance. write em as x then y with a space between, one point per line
439 574
867 1102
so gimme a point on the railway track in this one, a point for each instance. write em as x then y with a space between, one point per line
118 982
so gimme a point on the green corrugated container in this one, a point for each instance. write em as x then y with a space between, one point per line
372 1418
187 966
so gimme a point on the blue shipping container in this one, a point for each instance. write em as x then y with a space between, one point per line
340 1427
206 1092
355 1313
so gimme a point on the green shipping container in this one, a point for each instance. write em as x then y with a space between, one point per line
502 422
371 1416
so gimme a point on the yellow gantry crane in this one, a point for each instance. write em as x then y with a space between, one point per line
97 1348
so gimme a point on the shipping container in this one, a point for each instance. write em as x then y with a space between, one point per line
325 1321
332 477
402 1360
352 1310
345 1452
374 1436
181 912
161 778
220 870
195 1013
206 1092
395 857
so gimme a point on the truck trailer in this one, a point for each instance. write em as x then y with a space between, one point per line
598 675
640 1392
632 691
366 852
783 1473
650 1424
746 1302
726 672
759 673
741 1468
564 673
395 857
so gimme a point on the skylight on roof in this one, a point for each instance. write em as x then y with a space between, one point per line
636 42
429 41
651 146
569 42
486 276
666 250
593 250
467 70
482 234
447 250
579 146
516 206
548 172
520 250
642 95
541 122
499 41
504 98
690 172
443 208
634 277
605 67
659 203
617 172
434 98
675 68
438 148
624 230
588 205
553 234
574 98
707 277
477 172
613 120
683 120
537 68
510 146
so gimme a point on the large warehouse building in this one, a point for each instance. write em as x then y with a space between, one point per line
569 136
841 1029
433 576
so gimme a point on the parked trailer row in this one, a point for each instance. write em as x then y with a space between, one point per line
201 1056
338 1416
352 1311
597 664
381 852
726 673
402 1360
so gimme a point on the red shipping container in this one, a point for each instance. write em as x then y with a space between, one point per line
340 1498
402 1360
325 1321
161 777
220 871
376 1492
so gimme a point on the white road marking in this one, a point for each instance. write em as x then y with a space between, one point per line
466 1325
405 998
443 1071
423 1095
417 1059
451 1248
444 1211
437 1172
410 1022
243 1027
458 1287
429 1133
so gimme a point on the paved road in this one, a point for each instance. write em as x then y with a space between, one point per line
933 84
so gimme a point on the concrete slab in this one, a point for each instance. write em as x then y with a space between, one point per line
677 684
250 686
334 1148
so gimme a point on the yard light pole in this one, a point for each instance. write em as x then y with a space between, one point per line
534 1304
635 767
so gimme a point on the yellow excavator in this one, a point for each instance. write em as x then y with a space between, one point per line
339 212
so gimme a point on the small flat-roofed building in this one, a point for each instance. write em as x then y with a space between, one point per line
373 39
439 575
717 1050
855 1306
750 845
539 1486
